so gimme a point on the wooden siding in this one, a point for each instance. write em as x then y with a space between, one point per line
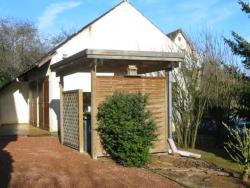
157 90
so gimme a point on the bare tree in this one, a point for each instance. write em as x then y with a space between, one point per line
189 101
205 79
61 36
20 46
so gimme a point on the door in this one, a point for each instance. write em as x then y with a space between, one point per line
33 105
44 104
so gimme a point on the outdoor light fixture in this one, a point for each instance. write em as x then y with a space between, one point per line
132 70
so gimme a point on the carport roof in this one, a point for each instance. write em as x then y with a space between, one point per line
117 61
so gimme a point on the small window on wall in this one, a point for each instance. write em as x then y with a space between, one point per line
179 39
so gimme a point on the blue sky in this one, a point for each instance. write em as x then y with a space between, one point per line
51 16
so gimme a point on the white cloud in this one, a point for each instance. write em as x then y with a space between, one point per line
52 11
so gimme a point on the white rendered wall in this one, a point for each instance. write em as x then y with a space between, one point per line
124 28
80 81
14 104
54 98
181 42
185 47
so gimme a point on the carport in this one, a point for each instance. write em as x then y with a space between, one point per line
73 104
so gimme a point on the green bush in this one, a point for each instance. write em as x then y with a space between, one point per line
127 130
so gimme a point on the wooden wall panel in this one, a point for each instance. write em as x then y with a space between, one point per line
154 86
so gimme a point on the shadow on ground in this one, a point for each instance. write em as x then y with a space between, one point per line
9 133
6 161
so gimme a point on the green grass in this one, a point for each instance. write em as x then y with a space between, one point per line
220 158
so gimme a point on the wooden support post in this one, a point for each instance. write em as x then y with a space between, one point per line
93 114
61 85
81 146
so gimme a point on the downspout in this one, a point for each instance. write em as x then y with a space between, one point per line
170 103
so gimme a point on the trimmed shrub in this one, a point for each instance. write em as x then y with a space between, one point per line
127 130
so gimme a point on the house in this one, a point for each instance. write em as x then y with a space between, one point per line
180 38
88 61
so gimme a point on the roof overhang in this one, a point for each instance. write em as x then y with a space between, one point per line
117 61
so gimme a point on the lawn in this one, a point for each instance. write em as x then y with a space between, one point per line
220 159
213 152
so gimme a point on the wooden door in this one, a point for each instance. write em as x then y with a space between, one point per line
33 105
44 104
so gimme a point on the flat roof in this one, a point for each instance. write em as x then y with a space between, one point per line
117 60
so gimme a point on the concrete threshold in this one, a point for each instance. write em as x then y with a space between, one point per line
22 130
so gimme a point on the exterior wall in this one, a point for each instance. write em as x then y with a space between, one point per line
124 28
14 104
54 99
78 81
157 89
181 42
